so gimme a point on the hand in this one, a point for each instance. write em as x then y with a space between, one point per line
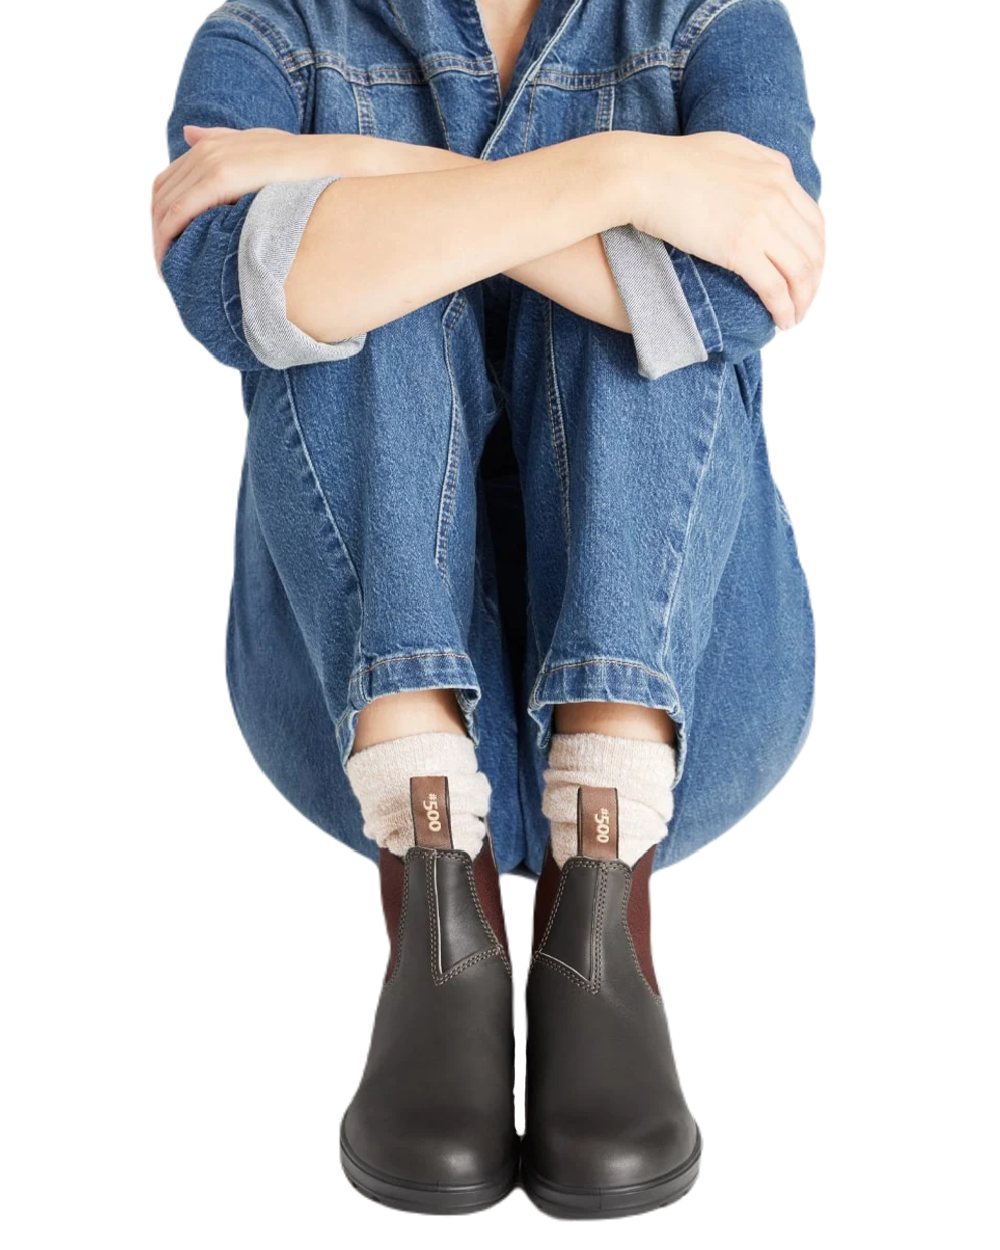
222 165
735 203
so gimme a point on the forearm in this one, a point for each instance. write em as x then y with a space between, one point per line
743 75
578 277
450 220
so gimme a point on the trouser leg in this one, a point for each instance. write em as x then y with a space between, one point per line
360 568
634 493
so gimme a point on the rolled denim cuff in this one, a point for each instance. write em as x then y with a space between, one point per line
671 319
268 243
698 300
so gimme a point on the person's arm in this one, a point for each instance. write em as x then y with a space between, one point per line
439 231
225 260
577 276
231 77
233 213
740 72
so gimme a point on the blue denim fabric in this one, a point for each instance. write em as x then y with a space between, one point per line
487 494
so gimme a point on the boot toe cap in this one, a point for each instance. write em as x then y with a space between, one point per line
439 1149
578 1157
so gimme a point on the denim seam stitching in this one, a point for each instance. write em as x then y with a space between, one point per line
539 650
530 74
270 35
436 101
405 656
557 425
531 112
400 21
604 108
449 485
363 108
589 80
679 258
603 659
236 325
693 510
427 67
358 673
389 74
293 60
317 485
699 21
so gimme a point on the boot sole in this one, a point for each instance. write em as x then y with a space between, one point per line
570 1202
393 1191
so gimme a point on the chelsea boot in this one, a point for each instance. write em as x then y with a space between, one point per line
607 1130
431 1126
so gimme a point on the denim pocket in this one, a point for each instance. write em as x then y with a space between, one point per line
748 386
635 94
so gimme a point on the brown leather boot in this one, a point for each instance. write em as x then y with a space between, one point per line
607 1130
431 1126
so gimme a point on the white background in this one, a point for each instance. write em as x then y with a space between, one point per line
189 968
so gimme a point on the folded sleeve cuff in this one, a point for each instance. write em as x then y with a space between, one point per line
268 243
669 312
698 301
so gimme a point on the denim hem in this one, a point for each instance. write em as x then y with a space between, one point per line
606 680
420 670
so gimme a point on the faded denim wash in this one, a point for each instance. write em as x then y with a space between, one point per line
492 493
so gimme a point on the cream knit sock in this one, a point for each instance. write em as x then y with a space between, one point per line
642 772
380 778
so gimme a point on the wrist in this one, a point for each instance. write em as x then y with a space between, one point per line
350 156
621 157
364 156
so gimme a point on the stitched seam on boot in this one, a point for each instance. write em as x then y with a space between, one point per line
498 945
565 970
557 965
465 964
548 923
597 953
439 978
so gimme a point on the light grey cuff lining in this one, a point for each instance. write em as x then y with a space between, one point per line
269 240
664 330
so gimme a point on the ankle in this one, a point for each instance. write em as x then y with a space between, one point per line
380 776
642 772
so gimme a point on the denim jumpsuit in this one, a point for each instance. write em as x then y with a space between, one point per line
492 493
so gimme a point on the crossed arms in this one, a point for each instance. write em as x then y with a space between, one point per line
697 244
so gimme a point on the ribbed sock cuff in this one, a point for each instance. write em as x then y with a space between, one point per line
380 776
642 772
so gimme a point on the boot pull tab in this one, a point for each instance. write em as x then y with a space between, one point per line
597 822
431 813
